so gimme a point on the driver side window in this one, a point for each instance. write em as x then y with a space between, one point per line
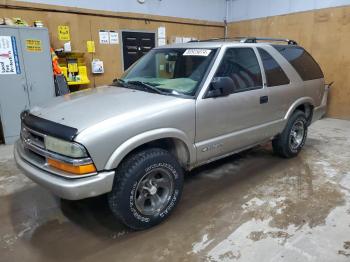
241 65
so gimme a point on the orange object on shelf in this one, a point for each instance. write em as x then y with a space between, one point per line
56 67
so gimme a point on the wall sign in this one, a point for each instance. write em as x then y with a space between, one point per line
104 37
161 32
33 45
161 36
90 46
113 38
63 33
9 62
97 66
161 41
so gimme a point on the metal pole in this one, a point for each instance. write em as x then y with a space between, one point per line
226 18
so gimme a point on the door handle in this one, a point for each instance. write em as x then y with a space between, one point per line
264 99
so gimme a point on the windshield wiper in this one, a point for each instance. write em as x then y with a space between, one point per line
144 86
118 82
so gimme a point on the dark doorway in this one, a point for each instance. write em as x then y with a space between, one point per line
135 45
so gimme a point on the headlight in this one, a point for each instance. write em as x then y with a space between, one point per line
65 148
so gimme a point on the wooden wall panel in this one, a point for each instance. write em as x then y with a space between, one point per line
325 34
84 27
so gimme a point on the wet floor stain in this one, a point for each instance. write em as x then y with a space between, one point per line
11 180
259 235
346 249
248 206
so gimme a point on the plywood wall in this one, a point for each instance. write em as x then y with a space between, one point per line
85 25
325 34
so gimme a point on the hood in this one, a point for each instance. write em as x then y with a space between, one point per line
86 108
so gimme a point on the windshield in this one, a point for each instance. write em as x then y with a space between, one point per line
177 71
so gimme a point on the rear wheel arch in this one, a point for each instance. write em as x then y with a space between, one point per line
307 109
295 132
305 104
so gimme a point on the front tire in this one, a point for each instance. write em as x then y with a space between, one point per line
147 187
290 142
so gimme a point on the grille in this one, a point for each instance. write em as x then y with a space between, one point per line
32 137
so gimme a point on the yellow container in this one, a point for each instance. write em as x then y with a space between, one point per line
73 67
83 77
83 73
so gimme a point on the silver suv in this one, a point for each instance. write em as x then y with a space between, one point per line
178 107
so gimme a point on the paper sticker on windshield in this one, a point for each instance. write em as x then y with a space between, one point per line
197 52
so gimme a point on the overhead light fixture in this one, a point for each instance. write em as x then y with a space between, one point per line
141 1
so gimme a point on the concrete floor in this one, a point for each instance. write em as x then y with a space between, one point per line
250 207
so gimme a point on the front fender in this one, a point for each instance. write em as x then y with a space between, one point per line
149 136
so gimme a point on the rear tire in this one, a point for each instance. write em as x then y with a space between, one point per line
147 188
289 143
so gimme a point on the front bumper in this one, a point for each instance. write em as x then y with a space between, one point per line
72 189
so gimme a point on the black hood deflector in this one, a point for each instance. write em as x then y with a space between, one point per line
48 127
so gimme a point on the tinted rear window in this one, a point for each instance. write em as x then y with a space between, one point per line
275 76
302 61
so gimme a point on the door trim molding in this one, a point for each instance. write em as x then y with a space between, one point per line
212 140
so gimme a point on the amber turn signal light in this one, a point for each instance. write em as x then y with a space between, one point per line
77 170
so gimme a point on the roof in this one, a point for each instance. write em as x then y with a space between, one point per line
219 42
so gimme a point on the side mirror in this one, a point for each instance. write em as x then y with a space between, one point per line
221 86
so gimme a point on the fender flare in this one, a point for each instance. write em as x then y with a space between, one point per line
132 143
300 101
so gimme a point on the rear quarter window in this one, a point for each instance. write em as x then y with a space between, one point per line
275 76
302 61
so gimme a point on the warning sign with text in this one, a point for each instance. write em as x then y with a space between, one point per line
33 45
9 63
63 33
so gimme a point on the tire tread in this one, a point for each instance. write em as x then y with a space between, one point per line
280 143
124 173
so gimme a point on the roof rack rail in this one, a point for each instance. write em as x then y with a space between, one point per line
255 39
250 40
209 40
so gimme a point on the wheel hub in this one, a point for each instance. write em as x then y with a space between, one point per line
154 191
297 135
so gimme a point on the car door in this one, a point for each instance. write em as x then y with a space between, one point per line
231 123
